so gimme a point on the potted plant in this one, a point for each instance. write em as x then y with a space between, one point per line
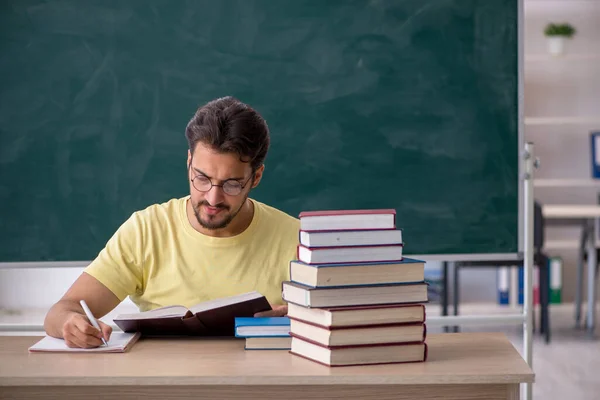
557 35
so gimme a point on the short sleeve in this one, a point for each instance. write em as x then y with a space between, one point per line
119 265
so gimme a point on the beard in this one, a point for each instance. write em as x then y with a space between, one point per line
214 222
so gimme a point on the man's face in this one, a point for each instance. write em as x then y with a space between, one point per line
215 208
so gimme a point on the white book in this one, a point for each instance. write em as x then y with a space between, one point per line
119 342
350 238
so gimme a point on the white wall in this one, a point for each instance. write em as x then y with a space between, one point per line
566 86
37 288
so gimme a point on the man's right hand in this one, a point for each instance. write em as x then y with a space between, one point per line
66 319
78 332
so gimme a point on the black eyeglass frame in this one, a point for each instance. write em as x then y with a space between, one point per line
222 185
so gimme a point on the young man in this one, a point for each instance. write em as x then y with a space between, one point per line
216 242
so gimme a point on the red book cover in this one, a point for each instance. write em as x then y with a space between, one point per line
340 328
353 261
346 212
323 220
425 353
376 306
354 345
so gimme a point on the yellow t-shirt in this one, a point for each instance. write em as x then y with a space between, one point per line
158 259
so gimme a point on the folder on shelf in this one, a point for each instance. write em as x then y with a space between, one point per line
595 147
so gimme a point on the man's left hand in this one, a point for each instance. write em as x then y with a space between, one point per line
277 311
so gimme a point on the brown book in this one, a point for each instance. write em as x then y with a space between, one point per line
367 335
328 275
268 343
359 355
308 296
211 318
359 315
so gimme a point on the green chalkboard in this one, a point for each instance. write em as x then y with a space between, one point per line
411 105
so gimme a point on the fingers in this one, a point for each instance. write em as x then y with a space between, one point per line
77 332
106 330
277 311
262 314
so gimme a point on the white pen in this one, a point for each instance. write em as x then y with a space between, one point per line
91 317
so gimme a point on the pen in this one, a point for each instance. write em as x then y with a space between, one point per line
91 317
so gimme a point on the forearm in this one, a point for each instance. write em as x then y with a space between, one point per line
58 314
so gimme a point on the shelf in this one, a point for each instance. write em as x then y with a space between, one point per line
562 57
562 121
562 183
561 245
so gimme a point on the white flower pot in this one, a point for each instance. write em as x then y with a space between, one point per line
556 45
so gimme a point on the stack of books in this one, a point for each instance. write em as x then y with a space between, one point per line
352 297
264 333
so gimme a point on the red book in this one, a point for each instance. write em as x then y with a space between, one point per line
358 335
334 356
336 317
347 220
307 296
354 254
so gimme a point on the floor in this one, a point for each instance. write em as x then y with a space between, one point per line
568 367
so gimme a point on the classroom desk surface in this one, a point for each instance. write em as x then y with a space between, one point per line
461 365
562 211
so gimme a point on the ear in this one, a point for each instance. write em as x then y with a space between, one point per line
189 159
258 175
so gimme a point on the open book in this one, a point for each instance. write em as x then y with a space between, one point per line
119 342
211 318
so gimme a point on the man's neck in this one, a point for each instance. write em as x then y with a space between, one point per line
239 224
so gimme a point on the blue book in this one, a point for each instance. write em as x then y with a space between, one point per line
262 327
595 147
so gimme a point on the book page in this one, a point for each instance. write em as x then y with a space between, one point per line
225 301
163 312
117 344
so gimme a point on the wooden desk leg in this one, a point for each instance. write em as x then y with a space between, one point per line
591 249
579 288
513 392
444 296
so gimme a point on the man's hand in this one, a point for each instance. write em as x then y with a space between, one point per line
277 311
78 332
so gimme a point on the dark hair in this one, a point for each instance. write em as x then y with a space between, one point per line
230 126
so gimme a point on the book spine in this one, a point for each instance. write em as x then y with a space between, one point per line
513 292
520 286
535 285
595 147
503 285
555 271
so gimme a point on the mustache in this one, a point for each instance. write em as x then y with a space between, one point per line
206 203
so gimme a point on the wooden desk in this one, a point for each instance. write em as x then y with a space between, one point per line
460 366
587 217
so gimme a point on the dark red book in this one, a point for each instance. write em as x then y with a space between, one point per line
335 317
358 335
350 254
334 356
347 219
211 318
401 293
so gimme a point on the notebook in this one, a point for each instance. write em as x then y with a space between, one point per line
119 343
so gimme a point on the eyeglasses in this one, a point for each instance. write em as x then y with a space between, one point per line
232 187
